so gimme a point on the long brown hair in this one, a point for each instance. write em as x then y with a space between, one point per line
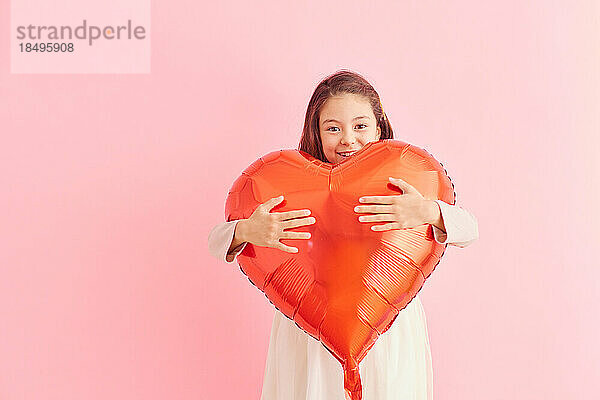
342 81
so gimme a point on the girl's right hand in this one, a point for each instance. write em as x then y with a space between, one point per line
264 228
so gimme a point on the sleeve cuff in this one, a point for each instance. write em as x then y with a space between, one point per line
439 235
220 239
230 258
461 226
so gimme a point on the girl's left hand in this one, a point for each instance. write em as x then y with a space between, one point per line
404 211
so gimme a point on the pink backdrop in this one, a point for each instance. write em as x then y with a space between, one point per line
111 183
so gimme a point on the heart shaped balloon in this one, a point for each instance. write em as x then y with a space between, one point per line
347 283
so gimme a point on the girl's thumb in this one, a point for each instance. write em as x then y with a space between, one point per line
270 204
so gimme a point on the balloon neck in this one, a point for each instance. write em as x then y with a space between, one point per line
352 383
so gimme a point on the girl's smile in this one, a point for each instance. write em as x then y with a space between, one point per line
346 124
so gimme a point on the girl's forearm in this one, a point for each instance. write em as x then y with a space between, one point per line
238 235
435 215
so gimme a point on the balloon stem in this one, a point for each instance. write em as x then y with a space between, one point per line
352 383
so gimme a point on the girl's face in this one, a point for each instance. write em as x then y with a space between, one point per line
346 124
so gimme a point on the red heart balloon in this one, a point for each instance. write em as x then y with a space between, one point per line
347 283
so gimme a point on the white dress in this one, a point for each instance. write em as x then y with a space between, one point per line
398 366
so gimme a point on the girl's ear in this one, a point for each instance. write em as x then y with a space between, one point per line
378 132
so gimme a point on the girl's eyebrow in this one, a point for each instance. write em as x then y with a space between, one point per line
335 120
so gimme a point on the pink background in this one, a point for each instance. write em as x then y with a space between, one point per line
111 183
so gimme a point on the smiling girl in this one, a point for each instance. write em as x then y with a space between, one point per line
344 114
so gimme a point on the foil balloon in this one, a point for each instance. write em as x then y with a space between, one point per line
347 283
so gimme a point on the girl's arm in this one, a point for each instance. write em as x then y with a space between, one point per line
460 230
220 240
460 226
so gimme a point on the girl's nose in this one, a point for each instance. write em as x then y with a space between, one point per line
348 137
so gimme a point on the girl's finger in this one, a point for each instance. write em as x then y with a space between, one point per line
295 235
378 217
285 248
298 222
378 199
405 186
292 214
385 227
271 203
374 209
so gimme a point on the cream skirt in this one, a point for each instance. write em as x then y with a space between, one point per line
398 366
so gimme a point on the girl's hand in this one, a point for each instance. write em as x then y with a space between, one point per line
404 211
264 228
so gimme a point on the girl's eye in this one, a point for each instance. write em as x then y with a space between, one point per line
335 127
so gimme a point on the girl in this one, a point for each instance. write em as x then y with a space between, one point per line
343 115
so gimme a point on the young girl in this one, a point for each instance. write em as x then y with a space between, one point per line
343 115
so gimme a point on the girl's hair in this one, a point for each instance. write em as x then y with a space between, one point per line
341 82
